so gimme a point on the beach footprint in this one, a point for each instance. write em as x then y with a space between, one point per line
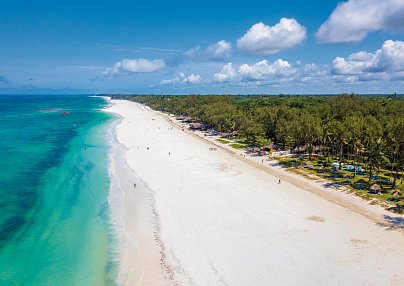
315 218
359 243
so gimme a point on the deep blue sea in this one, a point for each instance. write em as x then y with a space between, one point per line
54 213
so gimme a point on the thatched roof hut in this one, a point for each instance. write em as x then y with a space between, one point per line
198 126
271 147
253 149
228 134
187 119
375 187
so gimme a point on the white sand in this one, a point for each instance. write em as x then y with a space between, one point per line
200 217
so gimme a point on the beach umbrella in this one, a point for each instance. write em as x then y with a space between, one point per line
375 187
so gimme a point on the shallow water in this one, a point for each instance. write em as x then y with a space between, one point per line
54 214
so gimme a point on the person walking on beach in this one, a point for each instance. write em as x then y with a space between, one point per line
134 185
279 181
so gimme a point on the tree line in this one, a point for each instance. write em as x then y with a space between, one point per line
367 130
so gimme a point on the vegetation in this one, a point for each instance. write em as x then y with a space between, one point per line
365 131
223 141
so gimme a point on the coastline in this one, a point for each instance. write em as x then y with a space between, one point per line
134 223
195 212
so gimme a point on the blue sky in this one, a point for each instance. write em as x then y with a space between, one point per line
179 47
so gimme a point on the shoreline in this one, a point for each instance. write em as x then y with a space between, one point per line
136 254
194 213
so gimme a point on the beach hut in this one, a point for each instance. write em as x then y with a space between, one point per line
300 149
309 165
263 152
187 119
375 189
266 148
253 149
198 126
271 148
228 135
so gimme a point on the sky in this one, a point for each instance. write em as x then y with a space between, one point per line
202 47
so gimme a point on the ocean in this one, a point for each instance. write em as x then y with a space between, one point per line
54 213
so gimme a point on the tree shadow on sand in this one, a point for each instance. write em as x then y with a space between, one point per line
392 222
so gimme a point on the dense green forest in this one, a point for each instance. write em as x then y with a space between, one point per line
366 130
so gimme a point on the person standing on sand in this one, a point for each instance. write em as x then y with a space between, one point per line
279 181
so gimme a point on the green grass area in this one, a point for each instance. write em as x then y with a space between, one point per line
239 143
359 183
223 141
238 146
242 140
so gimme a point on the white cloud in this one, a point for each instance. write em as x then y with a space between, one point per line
351 21
386 63
261 39
183 79
264 70
126 66
356 63
193 79
219 51
227 73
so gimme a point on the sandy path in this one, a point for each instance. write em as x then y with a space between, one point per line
211 219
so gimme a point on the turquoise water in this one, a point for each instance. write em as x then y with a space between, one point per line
54 215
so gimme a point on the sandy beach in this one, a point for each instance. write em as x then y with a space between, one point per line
203 217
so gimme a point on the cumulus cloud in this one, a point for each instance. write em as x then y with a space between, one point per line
385 63
351 21
227 73
126 66
192 79
219 51
264 70
261 39
183 79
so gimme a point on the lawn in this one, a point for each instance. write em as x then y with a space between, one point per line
238 146
223 141
238 143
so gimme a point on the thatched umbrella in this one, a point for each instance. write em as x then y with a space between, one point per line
309 164
375 188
